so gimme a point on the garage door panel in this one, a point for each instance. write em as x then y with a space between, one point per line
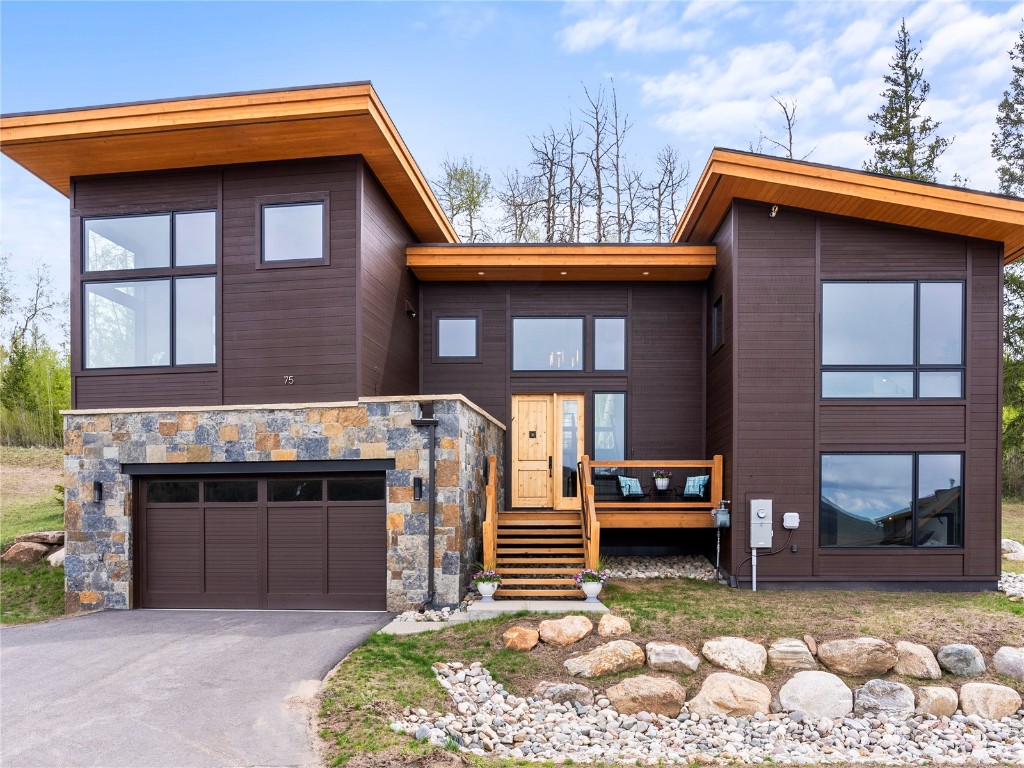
233 551
295 550
174 547
357 543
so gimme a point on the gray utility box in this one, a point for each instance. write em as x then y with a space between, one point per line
761 524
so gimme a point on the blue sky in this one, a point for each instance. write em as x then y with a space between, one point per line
479 78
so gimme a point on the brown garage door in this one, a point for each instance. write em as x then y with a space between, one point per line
273 542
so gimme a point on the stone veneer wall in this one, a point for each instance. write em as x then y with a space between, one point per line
99 567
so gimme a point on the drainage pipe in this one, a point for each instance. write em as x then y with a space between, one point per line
432 473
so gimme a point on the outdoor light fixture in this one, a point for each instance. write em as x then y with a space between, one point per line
97 491
417 489
410 310
775 210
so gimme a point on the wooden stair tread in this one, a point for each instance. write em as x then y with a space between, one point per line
542 593
504 542
508 559
534 582
515 570
539 550
546 522
507 531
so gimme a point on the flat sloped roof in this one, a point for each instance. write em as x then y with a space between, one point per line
732 174
255 126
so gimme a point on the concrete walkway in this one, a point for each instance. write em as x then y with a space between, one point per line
480 610
169 689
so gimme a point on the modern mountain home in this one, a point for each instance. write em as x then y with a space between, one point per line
294 388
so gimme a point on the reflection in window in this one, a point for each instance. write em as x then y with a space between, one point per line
131 242
867 324
128 323
230 491
172 492
357 486
294 490
195 320
942 324
195 238
570 416
547 343
293 232
941 384
609 344
867 384
456 337
609 426
868 500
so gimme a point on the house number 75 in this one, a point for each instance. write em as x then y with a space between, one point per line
289 379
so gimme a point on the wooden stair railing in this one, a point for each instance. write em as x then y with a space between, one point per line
591 527
490 528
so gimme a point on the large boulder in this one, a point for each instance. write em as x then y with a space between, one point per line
25 553
988 700
43 537
1012 547
892 698
616 656
916 660
643 693
736 655
817 695
56 559
520 638
937 700
565 631
858 656
961 659
668 657
564 693
613 626
790 653
1009 661
726 694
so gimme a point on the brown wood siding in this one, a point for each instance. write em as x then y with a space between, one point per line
781 426
142 192
145 390
983 481
917 427
290 321
775 369
720 367
389 356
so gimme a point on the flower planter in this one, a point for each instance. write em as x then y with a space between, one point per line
487 590
661 483
591 589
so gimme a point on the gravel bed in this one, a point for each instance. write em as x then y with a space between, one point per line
669 567
491 721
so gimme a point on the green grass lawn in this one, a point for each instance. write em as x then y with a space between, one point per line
29 503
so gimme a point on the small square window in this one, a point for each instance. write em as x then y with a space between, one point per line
293 231
457 337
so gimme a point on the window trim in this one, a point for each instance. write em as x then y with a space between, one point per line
436 355
294 199
915 368
548 371
914 477
625 344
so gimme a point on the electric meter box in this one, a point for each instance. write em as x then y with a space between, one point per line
761 524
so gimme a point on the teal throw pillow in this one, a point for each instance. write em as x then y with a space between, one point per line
630 487
696 486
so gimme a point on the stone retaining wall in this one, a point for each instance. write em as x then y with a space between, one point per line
99 562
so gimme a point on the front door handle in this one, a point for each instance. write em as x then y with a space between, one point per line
551 469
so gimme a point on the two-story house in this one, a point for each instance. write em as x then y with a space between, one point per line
289 376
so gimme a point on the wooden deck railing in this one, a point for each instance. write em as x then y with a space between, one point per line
490 528
657 509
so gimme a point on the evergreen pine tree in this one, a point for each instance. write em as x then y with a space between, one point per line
903 139
1008 140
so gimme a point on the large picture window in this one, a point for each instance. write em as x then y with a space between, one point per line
144 319
547 344
892 340
892 499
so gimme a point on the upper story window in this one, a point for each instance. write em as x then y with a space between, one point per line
161 309
717 325
892 340
609 344
293 229
457 338
547 344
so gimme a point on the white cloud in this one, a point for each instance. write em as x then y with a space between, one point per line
635 27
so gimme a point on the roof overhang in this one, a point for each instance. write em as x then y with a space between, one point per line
553 262
260 126
732 175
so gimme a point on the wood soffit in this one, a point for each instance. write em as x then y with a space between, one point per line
553 263
730 175
320 121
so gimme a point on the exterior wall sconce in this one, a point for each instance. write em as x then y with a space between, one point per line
97 491
417 489
774 211
410 310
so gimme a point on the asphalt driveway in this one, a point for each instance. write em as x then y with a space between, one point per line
168 689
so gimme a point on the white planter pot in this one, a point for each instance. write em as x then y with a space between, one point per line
591 589
661 483
487 590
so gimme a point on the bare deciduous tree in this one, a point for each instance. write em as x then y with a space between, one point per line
665 195
522 201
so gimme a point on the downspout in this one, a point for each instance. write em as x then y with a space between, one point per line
432 424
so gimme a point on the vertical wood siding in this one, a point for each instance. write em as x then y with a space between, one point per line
389 354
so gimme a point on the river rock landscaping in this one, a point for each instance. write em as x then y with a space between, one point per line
828 714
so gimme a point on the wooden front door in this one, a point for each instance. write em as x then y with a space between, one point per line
547 441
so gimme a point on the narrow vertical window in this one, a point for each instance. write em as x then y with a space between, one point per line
609 344
609 426
717 325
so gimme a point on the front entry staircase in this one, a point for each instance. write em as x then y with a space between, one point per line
538 553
